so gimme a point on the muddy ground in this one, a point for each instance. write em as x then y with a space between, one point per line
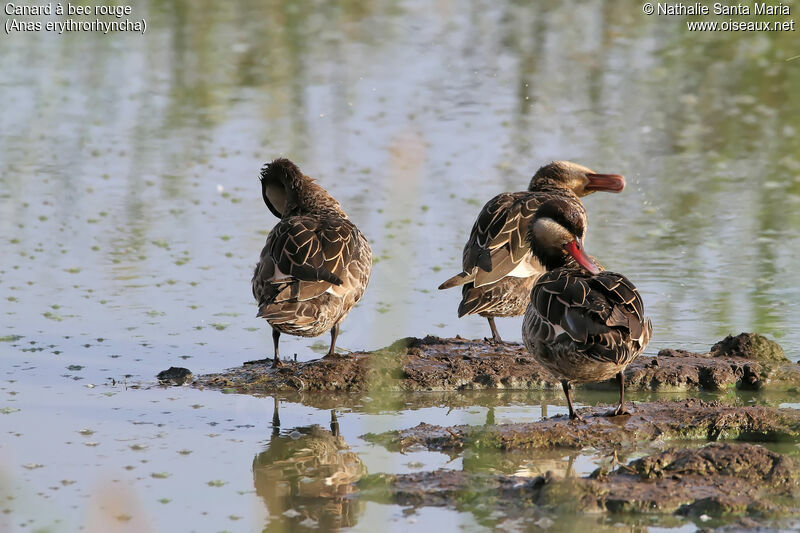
681 477
713 485
675 475
649 423
745 362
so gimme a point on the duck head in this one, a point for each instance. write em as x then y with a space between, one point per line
287 191
279 182
556 234
577 178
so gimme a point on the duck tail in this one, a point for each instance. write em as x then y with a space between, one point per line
455 281
262 311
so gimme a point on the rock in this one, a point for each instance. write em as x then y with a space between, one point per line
650 422
175 375
748 361
749 346
676 371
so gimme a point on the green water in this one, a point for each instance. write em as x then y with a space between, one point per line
131 218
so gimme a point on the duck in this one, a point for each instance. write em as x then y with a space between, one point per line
583 323
499 268
315 265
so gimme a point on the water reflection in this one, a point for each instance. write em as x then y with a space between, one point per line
556 464
305 477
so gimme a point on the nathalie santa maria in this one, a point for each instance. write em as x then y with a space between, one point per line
718 8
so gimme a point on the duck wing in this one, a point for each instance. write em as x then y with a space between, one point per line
498 241
305 256
603 315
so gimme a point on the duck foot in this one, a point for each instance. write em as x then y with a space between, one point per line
620 410
497 342
568 393
273 362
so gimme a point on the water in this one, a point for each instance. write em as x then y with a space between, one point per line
131 217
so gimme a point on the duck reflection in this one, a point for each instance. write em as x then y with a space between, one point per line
526 463
305 476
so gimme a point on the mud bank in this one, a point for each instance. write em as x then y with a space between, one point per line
650 423
747 361
719 481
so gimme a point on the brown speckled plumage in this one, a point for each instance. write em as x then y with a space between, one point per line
499 267
507 297
582 327
315 264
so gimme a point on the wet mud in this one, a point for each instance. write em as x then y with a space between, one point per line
649 423
688 459
745 362
722 483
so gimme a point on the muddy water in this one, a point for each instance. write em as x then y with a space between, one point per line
130 219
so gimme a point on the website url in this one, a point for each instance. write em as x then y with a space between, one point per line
734 25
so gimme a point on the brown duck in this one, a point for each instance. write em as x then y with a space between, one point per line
315 265
499 268
583 324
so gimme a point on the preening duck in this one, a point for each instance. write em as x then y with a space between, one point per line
499 268
583 324
315 264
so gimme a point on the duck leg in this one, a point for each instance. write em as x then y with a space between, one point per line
276 419
276 362
275 336
334 423
567 386
570 472
620 410
495 335
334 334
